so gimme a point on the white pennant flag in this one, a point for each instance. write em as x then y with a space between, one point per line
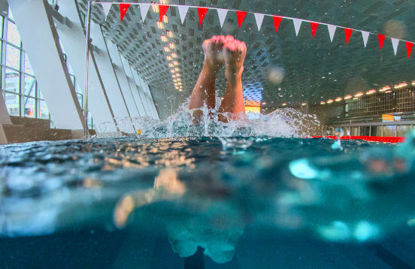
106 7
144 10
332 31
297 25
183 12
365 36
222 15
259 18
395 44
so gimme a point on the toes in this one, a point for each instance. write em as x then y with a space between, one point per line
229 38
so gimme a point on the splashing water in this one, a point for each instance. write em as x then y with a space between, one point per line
337 145
280 123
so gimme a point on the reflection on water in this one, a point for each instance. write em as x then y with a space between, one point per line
203 194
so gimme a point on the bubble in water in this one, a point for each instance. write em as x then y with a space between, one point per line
276 75
395 29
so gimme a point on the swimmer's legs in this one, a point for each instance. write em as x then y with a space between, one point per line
233 101
204 90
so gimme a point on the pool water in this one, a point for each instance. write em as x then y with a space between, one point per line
207 202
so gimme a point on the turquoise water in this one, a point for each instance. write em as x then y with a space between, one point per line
207 202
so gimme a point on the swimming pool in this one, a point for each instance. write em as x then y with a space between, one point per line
243 201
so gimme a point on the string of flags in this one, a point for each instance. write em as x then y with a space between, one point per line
259 18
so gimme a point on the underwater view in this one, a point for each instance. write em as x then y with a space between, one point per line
211 196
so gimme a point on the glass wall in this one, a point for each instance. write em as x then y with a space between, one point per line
19 86
18 82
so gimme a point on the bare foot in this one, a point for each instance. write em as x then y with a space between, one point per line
213 53
234 52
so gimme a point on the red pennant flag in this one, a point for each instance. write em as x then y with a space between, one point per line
348 33
314 26
241 17
409 47
162 11
123 10
381 39
202 14
277 22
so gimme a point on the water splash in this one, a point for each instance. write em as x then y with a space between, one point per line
286 122
337 145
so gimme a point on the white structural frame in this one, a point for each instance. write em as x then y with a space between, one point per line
130 108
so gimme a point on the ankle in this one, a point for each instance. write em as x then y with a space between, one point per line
211 68
234 75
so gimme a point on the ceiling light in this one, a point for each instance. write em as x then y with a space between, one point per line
384 89
388 91
322 103
171 65
176 63
348 97
174 55
330 101
165 19
166 49
372 91
169 58
339 99
172 46
359 94
413 83
177 69
303 104
401 85
170 34
155 8
163 38
284 104
160 25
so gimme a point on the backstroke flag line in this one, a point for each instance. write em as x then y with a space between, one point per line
259 20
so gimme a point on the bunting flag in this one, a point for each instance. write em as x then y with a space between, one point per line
241 17
259 18
297 25
314 26
409 46
332 31
123 10
106 7
277 22
348 33
395 44
222 15
162 11
365 36
183 12
381 39
144 10
202 14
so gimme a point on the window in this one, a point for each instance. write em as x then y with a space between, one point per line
18 82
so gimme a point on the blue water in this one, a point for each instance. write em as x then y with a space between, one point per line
207 202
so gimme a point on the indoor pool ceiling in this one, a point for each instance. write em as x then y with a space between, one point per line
313 69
